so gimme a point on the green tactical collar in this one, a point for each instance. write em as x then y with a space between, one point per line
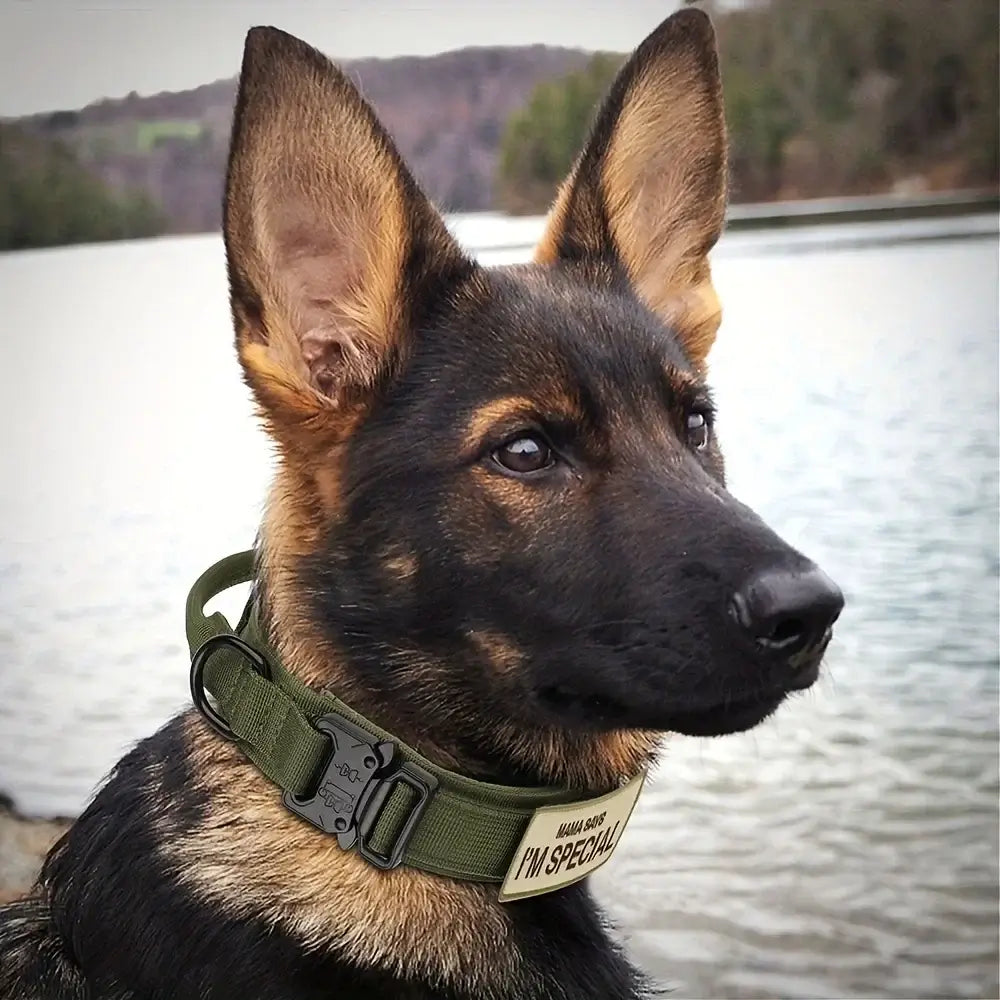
355 781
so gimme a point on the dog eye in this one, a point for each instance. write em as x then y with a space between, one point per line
697 431
528 453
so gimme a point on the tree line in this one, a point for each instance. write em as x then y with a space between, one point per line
48 198
823 97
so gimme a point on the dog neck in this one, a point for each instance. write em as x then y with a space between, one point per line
248 857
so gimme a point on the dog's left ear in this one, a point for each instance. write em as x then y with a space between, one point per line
648 193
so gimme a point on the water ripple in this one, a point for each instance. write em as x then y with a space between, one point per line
847 848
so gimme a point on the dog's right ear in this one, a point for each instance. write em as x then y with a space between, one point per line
331 246
648 193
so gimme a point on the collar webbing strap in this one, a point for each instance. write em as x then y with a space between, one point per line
340 771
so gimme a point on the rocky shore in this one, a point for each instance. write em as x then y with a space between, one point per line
23 845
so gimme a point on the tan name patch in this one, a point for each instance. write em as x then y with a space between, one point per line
564 844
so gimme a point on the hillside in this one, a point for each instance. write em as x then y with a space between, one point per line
446 113
828 98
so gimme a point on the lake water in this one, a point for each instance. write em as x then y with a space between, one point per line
847 848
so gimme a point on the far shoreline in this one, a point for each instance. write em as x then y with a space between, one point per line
741 217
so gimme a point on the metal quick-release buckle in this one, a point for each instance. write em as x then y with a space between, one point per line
354 786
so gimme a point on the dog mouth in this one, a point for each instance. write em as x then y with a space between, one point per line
736 715
719 716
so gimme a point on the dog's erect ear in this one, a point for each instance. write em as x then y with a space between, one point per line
330 244
648 192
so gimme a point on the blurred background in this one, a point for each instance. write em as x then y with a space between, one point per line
846 848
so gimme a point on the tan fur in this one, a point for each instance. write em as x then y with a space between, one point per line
696 314
592 762
400 565
511 410
547 249
519 502
662 185
290 531
403 920
500 650
679 380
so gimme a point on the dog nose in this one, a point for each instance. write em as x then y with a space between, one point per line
787 613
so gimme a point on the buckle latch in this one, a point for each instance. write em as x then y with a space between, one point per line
354 786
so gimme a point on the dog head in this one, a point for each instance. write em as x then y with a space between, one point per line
500 522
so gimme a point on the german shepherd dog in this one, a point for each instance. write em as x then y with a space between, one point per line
499 528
